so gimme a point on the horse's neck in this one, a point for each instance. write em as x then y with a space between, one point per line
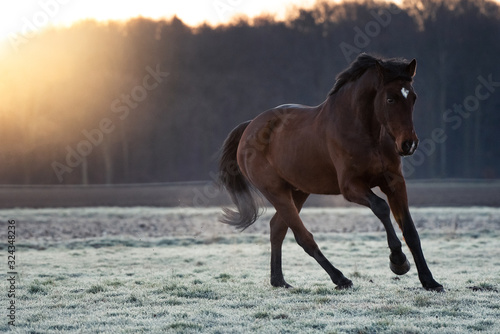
365 114
353 107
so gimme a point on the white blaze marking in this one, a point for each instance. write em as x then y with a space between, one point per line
405 92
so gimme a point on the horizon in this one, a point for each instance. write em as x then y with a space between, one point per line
26 19
33 16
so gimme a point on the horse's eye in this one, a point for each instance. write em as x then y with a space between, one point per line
391 101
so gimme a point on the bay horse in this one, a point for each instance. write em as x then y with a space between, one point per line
347 145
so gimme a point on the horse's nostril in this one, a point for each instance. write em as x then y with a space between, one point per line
407 146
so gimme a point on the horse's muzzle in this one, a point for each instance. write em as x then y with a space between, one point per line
408 147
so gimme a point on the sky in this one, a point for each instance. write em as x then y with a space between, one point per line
28 16
25 18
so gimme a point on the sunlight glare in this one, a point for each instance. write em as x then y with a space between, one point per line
26 14
24 19
28 17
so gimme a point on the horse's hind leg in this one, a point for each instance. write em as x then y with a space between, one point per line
282 200
278 233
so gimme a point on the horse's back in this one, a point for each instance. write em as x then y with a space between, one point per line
290 140
283 118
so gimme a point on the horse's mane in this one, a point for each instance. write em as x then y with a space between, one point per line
394 68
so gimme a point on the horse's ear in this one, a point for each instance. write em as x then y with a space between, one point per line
412 68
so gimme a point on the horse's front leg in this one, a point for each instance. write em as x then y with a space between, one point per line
399 263
398 201
359 193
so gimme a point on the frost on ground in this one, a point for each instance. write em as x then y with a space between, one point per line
151 270
53 225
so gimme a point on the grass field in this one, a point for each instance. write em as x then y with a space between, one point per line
198 279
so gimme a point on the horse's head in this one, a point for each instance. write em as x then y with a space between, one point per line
394 104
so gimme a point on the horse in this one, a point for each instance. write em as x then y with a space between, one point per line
348 145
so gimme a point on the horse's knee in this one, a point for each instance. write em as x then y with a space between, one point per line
379 207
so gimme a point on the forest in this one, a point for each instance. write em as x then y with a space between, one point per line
147 101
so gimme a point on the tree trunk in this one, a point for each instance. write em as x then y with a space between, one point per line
85 171
442 108
108 163
125 152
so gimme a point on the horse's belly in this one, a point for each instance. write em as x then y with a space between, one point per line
322 186
310 178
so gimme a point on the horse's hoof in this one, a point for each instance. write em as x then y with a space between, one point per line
438 288
400 269
282 284
345 285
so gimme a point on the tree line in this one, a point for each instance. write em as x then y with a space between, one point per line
152 101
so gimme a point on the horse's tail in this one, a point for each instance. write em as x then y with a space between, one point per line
240 190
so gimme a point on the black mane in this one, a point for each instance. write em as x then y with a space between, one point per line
394 68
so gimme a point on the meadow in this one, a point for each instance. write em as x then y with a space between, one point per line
176 270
